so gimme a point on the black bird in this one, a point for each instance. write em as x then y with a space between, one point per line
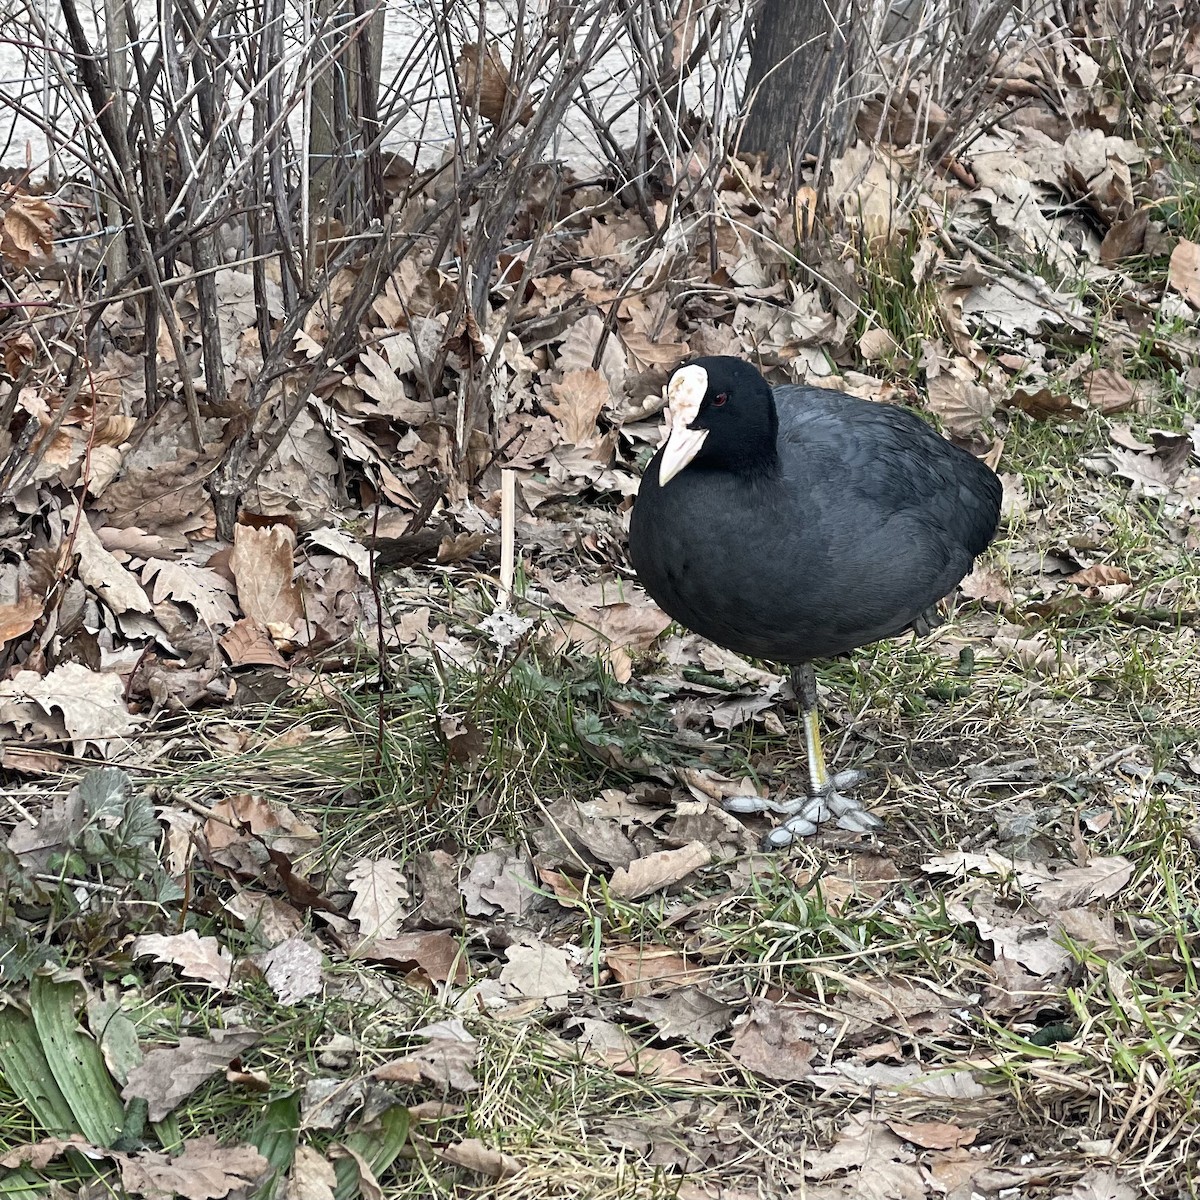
798 523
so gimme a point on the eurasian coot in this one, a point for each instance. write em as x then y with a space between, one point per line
798 523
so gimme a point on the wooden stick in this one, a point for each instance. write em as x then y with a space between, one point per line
508 535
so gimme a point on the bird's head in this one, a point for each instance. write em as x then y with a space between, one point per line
720 414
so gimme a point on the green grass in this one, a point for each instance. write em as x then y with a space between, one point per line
894 300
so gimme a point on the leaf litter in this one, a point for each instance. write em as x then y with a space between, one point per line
522 898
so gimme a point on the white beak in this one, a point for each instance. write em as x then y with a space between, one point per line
683 444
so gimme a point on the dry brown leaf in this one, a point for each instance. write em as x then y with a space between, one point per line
774 1042
871 1160
114 584
963 405
1034 944
986 584
1075 887
659 870
495 89
92 704
39 1155
1104 1183
934 1135
201 959
1109 391
567 822
18 619
877 345
446 1061
1099 576
599 243
263 567
293 970
610 619
312 1176
1125 238
28 229
165 1078
579 399
687 1012
439 955
653 352
368 1185
380 896
1045 404
274 824
204 1170
473 1155
382 380
567 891
866 186
1183 273
498 880
458 546
539 971
264 917
646 970
579 348
1033 653
655 1063
248 644
206 590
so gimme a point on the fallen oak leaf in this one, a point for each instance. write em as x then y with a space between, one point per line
446 1062
1183 272
1099 576
28 229
437 954
579 399
645 970
473 1155
1109 391
248 644
292 970
167 1077
117 586
934 1135
774 1042
380 896
92 703
659 870
538 971
312 1176
263 566
368 1185
492 89
1046 404
204 960
39 1155
204 1170
18 619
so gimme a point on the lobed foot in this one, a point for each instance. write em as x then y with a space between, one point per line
806 813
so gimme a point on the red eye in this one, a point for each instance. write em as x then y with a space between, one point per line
720 399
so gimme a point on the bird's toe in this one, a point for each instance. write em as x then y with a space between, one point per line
843 781
784 835
858 820
743 805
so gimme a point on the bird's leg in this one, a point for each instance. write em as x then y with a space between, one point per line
826 796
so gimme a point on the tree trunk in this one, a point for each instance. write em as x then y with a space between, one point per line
799 57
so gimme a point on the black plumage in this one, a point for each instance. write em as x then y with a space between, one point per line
799 523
